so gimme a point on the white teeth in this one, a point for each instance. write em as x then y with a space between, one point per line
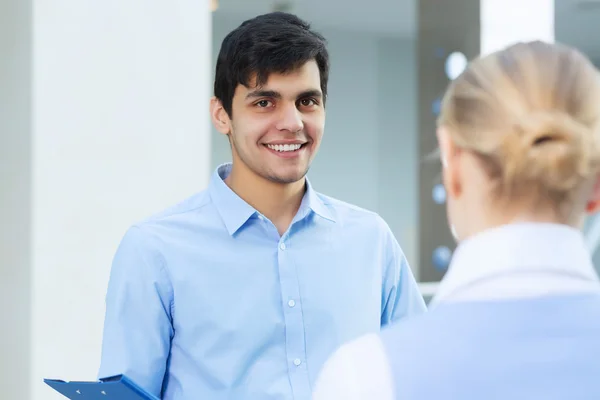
284 147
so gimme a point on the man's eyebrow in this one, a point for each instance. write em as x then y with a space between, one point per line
276 95
263 93
310 93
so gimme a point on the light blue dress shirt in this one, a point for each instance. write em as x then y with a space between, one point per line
207 301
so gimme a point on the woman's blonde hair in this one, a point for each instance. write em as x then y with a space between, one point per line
531 112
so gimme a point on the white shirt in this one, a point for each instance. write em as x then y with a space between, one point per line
513 261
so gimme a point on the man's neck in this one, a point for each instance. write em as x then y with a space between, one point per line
276 201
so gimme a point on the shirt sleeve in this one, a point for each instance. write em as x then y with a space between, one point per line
356 371
138 322
401 296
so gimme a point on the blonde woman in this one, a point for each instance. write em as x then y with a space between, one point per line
518 314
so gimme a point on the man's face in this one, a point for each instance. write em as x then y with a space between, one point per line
277 128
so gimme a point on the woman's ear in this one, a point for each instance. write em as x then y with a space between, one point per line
450 168
442 138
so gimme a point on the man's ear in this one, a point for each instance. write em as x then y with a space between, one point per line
593 204
219 116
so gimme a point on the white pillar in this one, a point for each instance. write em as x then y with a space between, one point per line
103 121
507 22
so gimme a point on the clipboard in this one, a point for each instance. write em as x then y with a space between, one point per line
117 387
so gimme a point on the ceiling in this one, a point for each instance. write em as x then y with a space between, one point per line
577 21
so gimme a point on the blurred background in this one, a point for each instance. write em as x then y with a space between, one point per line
104 121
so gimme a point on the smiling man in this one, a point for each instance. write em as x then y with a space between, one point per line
243 290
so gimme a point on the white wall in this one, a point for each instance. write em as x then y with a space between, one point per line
15 198
535 22
117 129
369 154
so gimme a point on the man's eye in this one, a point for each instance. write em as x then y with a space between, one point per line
308 102
263 103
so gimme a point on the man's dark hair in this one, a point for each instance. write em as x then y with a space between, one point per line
277 42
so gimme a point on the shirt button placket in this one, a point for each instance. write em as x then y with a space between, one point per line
294 324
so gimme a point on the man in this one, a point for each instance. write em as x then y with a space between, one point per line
243 290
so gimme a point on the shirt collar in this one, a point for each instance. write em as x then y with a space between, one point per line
510 249
313 202
235 211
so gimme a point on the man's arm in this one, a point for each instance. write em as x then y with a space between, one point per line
138 323
401 296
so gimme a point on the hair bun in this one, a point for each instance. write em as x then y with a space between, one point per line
551 150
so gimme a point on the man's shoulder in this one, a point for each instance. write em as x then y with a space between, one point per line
175 224
177 214
345 207
347 212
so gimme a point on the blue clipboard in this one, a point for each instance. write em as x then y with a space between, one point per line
117 387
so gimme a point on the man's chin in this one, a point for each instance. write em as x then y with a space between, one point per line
288 178
284 180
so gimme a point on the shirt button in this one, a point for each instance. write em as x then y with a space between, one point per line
291 303
282 246
261 217
297 362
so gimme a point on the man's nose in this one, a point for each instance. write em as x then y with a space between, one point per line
290 119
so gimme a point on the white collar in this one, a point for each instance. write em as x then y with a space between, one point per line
515 250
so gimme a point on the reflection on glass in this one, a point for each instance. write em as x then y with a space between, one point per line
439 193
436 106
441 258
455 65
